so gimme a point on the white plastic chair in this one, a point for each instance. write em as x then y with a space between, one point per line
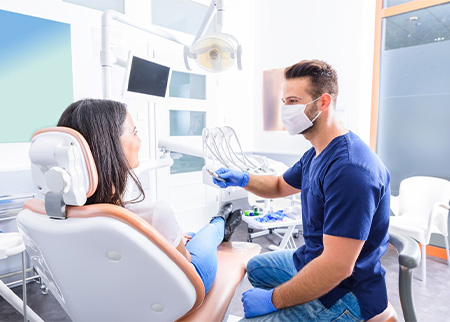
12 244
104 263
420 210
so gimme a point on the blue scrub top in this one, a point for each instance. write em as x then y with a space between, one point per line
346 193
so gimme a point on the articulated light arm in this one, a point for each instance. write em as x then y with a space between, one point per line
206 21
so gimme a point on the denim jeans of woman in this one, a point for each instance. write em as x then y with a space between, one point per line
203 250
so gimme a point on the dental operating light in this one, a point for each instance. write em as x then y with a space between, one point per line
214 52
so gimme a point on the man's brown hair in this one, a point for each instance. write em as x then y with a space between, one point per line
322 76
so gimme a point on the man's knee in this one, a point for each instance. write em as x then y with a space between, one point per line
256 264
279 259
269 270
252 264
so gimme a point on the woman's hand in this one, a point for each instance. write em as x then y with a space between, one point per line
186 238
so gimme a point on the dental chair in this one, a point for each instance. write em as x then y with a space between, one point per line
408 259
101 261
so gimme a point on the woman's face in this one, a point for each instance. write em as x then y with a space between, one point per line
130 142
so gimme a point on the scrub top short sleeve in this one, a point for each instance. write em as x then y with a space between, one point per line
352 197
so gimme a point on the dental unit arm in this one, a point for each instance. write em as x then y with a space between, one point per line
222 148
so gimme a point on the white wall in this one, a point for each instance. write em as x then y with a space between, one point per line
339 32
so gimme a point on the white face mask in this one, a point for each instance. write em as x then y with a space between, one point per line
295 119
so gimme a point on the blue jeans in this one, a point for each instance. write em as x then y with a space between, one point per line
203 250
269 270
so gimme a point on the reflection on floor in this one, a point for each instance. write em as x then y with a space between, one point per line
431 299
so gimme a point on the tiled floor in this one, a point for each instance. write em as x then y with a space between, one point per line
432 300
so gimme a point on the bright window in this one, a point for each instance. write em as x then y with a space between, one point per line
414 90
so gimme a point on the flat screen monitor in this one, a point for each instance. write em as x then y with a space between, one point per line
146 77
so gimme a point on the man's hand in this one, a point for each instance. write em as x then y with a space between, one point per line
232 178
257 302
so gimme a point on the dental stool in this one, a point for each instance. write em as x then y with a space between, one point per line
104 263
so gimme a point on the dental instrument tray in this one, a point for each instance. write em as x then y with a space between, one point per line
259 223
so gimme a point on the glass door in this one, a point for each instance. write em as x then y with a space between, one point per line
411 124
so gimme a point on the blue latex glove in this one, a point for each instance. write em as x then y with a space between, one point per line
232 178
257 302
271 217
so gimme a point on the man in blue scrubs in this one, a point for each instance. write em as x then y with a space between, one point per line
345 195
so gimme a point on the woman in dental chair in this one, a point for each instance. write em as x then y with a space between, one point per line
112 137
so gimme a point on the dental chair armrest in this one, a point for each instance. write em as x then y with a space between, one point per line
409 258
408 250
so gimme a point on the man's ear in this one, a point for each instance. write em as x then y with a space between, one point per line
326 102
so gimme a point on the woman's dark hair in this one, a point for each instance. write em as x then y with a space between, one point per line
322 76
100 122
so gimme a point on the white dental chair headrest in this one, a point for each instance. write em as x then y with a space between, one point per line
62 165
